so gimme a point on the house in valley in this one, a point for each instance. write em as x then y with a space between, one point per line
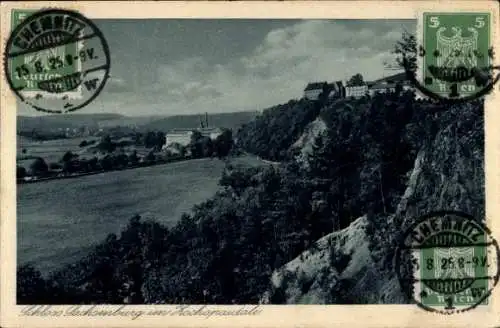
183 136
178 136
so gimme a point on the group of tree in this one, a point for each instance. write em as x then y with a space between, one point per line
154 140
42 135
272 133
226 250
356 80
203 146
86 143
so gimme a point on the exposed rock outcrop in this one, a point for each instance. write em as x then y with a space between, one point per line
305 143
355 265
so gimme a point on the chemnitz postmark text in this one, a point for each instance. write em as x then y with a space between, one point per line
448 262
57 61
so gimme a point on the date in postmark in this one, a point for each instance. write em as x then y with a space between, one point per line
57 61
447 262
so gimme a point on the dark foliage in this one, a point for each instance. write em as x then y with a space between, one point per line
356 80
227 249
406 51
39 167
276 129
20 172
42 135
106 145
86 143
223 144
154 139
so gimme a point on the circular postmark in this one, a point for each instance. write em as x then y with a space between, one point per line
57 60
447 262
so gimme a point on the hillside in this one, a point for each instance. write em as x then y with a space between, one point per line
271 134
223 120
52 122
330 227
355 265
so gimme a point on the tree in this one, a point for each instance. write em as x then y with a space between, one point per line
155 140
150 157
106 144
71 166
20 172
106 163
39 167
133 158
55 166
356 80
70 162
223 143
406 52
161 140
92 164
31 287
121 160
207 147
68 156
196 144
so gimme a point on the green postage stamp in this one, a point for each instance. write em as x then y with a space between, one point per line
455 53
448 262
29 70
57 60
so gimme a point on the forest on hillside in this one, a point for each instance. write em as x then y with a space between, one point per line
226 250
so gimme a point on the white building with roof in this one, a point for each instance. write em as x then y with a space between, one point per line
183 136
314 90
356 91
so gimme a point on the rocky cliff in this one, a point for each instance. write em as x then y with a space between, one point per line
355 265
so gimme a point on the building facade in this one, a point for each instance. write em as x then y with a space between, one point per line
183 136
356 91
382 88
314 90
337 90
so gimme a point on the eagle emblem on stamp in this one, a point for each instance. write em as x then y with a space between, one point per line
455 56
448 262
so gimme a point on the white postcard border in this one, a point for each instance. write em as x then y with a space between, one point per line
269 316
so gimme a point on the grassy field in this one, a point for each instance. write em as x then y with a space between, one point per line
59 220
50 150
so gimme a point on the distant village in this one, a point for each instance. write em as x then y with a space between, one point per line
339 89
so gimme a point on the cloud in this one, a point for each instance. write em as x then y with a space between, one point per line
275 71
279 67
117 85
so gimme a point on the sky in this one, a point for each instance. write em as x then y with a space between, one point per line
183 66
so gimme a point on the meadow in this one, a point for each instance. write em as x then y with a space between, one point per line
59 220
50 150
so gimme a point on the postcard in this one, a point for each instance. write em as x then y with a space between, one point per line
250 164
